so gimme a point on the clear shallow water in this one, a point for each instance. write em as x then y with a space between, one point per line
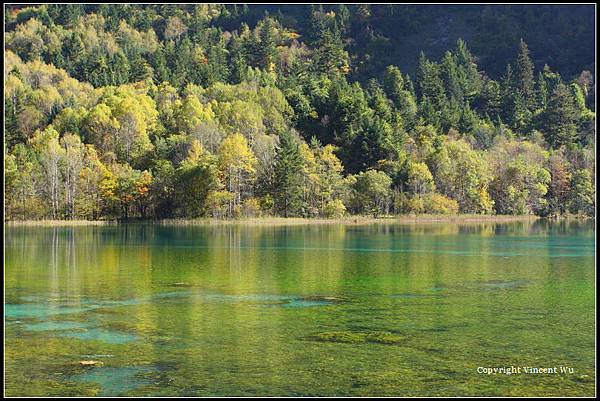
299 310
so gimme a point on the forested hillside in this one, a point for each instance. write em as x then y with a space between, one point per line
172 111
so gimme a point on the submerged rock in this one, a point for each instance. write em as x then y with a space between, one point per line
326 299
384 337
28 310
340 337
286 301
359 337
55 326
417 295
99 356
315 300
115 381
312 301
502 285
96 334
488 285
91 363
583 379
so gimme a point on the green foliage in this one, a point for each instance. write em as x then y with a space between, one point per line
197 181
123 111
236 163
559 188
462 174
288 178
583 198
419 178
431 203
131 189
439 204
521 180
559 120
372 192
524 79
334 209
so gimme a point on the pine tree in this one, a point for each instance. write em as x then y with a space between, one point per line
491 99
450 74
238 57
393 83
330 55
288 180
343 16
507 94
468 120
524 78
560 118
158 63
541 91
140 69
468 74
119 69
268 49
317 25
74 54
431 89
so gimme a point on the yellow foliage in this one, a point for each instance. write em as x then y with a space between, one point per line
235 155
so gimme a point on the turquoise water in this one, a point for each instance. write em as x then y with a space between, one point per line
312 310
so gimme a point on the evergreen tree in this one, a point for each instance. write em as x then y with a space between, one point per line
559 122
433 103
450 74
393 83
469 76
238 59
267 50
524 78
169 88
140 69
287 192
541 91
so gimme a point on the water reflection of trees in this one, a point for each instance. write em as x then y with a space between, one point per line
263 254
133 261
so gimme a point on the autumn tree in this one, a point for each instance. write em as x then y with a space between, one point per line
237 164
372 192
50 156
71 169
97 186
196 180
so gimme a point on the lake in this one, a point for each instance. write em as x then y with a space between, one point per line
303 310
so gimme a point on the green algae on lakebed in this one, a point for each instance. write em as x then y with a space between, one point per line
358 337
233 310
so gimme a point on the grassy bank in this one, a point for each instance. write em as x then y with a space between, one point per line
60 223
350 220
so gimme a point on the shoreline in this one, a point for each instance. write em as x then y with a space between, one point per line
282 221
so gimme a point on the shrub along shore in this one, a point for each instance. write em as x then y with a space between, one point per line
274 221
